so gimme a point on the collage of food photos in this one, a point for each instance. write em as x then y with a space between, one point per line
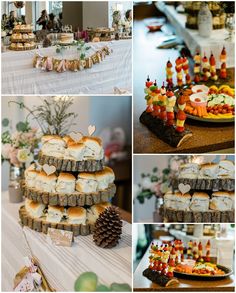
118 146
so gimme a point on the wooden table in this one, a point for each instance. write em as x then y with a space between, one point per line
207 137
141 283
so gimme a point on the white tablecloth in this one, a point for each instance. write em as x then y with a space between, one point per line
195 42
19 76
61 265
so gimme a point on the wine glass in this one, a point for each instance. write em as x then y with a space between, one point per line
230 26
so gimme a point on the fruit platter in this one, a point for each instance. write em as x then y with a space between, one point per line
199 270
209 104
170 261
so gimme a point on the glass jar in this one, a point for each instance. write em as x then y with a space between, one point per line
14 186
204 21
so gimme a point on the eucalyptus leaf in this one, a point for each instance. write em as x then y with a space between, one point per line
21 126
115 287
5 122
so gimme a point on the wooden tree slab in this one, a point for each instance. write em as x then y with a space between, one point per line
206 184
211 216
73 199
41 225
71 165
166 133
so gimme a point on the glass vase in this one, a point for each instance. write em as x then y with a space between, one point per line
14 186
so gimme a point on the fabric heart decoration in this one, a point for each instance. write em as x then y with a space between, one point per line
91 129
184 188
76 136
49 169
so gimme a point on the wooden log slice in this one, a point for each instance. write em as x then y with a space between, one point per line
41 225
168 134
159 279
70 165
209 216
75 199
206 184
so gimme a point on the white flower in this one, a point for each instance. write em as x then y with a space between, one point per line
6 150
136 190
24 155
146 183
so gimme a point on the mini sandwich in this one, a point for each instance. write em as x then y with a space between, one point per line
200 202
34 209
182 201
46 182
68 140
93 148
77 215
55 214
208 171
169 200
53 145
95 210
226 169
222 201
189 170
65 183
30 177
75 151
104 178
86 183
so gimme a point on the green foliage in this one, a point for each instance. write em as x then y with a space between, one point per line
23 126
102 288
53 115
6 137
5 122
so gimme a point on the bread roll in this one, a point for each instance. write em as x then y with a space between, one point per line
189 170
53 145
65 183
86 183
55 214
208 171
76 215
34 209
95 210
222 201
200 202
93 148
104 178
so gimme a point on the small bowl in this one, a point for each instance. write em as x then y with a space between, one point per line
201 88
203 99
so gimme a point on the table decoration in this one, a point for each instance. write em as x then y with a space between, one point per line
22 38
47 63
88 282
18 149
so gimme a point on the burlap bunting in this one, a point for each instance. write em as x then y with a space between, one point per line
61 65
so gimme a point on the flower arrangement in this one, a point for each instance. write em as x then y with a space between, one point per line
18 147
157 183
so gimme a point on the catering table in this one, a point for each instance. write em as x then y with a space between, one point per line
19 76
61 265
148 60
141 283
194 41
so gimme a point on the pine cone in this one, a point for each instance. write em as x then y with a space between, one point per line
108 228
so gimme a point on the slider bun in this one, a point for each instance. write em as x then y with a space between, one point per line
200 195
209 166
76 212
187 165
46 138
32 205
97 209
88 176
169 195
45 177
223 193
180 195
227 164
56 209
68 139
66 177
106 171
92 140
31 173
75 146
